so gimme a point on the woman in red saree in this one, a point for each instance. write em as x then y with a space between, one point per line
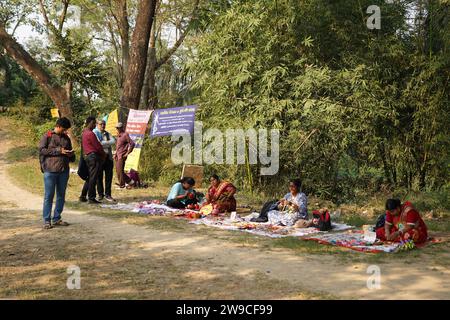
221 195
403 222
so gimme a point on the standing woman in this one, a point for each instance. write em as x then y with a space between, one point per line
402 222
221 195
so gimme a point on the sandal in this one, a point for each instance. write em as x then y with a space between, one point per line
60 223
47 226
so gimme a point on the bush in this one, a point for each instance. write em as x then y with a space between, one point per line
155 159
40 130
34 112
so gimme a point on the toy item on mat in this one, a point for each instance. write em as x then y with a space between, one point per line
406 245
191 195
206 210
154 201
247 226
302 223
193 207
192 215
369 235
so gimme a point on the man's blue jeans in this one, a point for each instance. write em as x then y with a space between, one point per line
52 181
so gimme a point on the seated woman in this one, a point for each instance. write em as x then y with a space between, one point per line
221 195
291 208
402 222
182 194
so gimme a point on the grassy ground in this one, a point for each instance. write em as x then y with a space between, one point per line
26 173
30 269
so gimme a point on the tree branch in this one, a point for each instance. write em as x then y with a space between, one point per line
39 74
19 20
48 24
62 18
178 43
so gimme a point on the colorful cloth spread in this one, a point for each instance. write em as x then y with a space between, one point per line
145 207
348 238
355 240
263 229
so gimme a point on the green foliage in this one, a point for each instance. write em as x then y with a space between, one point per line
381 118
12 12
40 130
155 163
77 63
20 153
15 83
35 114
359 111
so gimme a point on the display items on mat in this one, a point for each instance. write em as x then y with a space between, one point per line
263 229
357 240
168 121
155 207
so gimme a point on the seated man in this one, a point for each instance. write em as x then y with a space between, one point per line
402 222
182 194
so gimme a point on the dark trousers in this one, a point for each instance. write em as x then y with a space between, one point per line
181 204
120 170
93 163
106 168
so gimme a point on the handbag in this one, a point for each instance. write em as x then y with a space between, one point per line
83 170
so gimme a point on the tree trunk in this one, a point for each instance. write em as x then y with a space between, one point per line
148 96
382 150
124 30
57 93
4 64
152 100
138 55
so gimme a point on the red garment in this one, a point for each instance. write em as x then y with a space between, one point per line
120 170
90 143
408 216
220 197
124 145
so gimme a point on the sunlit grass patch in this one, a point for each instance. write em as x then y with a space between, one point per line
21 153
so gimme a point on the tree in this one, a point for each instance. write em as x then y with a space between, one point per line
173 14
57 93
138 55
74 67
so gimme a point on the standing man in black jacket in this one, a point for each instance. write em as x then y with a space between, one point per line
55 153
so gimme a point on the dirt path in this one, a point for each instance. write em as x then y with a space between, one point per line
122 260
